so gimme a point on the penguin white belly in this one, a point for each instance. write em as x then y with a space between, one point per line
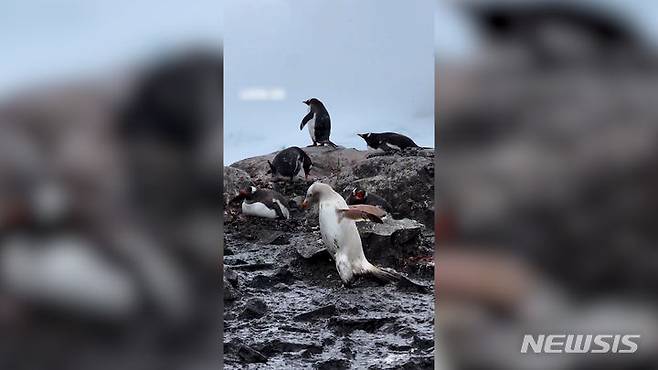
330 228
311 128
258 209
342 239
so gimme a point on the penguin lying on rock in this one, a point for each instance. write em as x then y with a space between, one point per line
319 123
340 235
360 196
388 141
263 203
288 163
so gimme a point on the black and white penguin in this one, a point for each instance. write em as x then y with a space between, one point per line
360 196
319 122
339 232
288 163
263 203
388 141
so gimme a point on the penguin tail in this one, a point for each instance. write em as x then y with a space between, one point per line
332 144
385 276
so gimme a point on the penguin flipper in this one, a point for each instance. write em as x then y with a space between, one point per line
277 208
364 212
305 120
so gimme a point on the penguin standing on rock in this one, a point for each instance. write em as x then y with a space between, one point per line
288 163
388 141
318 121
263 203
340 235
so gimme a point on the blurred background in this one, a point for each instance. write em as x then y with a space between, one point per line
547 148
109 159
373 74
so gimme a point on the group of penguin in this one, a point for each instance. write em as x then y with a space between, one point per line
337 216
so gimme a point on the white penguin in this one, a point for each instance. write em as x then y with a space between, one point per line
339 232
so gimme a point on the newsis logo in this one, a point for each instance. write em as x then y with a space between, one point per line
580 343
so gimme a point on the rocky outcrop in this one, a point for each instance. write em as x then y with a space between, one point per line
287 284
405 180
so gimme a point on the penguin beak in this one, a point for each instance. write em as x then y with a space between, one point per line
305 203
305 102
362 135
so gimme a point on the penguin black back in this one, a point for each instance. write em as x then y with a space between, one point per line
388 141
319 122
289 162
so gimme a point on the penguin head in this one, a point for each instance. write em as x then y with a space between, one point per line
312 102
369 138
316 192
247 192
359 194
272 169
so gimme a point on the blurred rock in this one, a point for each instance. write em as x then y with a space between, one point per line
234 180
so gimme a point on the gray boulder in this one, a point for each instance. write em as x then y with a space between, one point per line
391 241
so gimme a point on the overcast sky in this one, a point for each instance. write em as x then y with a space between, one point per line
370 61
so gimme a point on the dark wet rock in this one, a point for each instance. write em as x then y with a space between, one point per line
243 266
332 364
281 276
231 276
423 343
249 355
231 261
324 311
390 241
310 352
312 320
254 309
346 348
349 324
230 292
279 239
418 362
294 329
281 286
234 180
312 251
277 346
